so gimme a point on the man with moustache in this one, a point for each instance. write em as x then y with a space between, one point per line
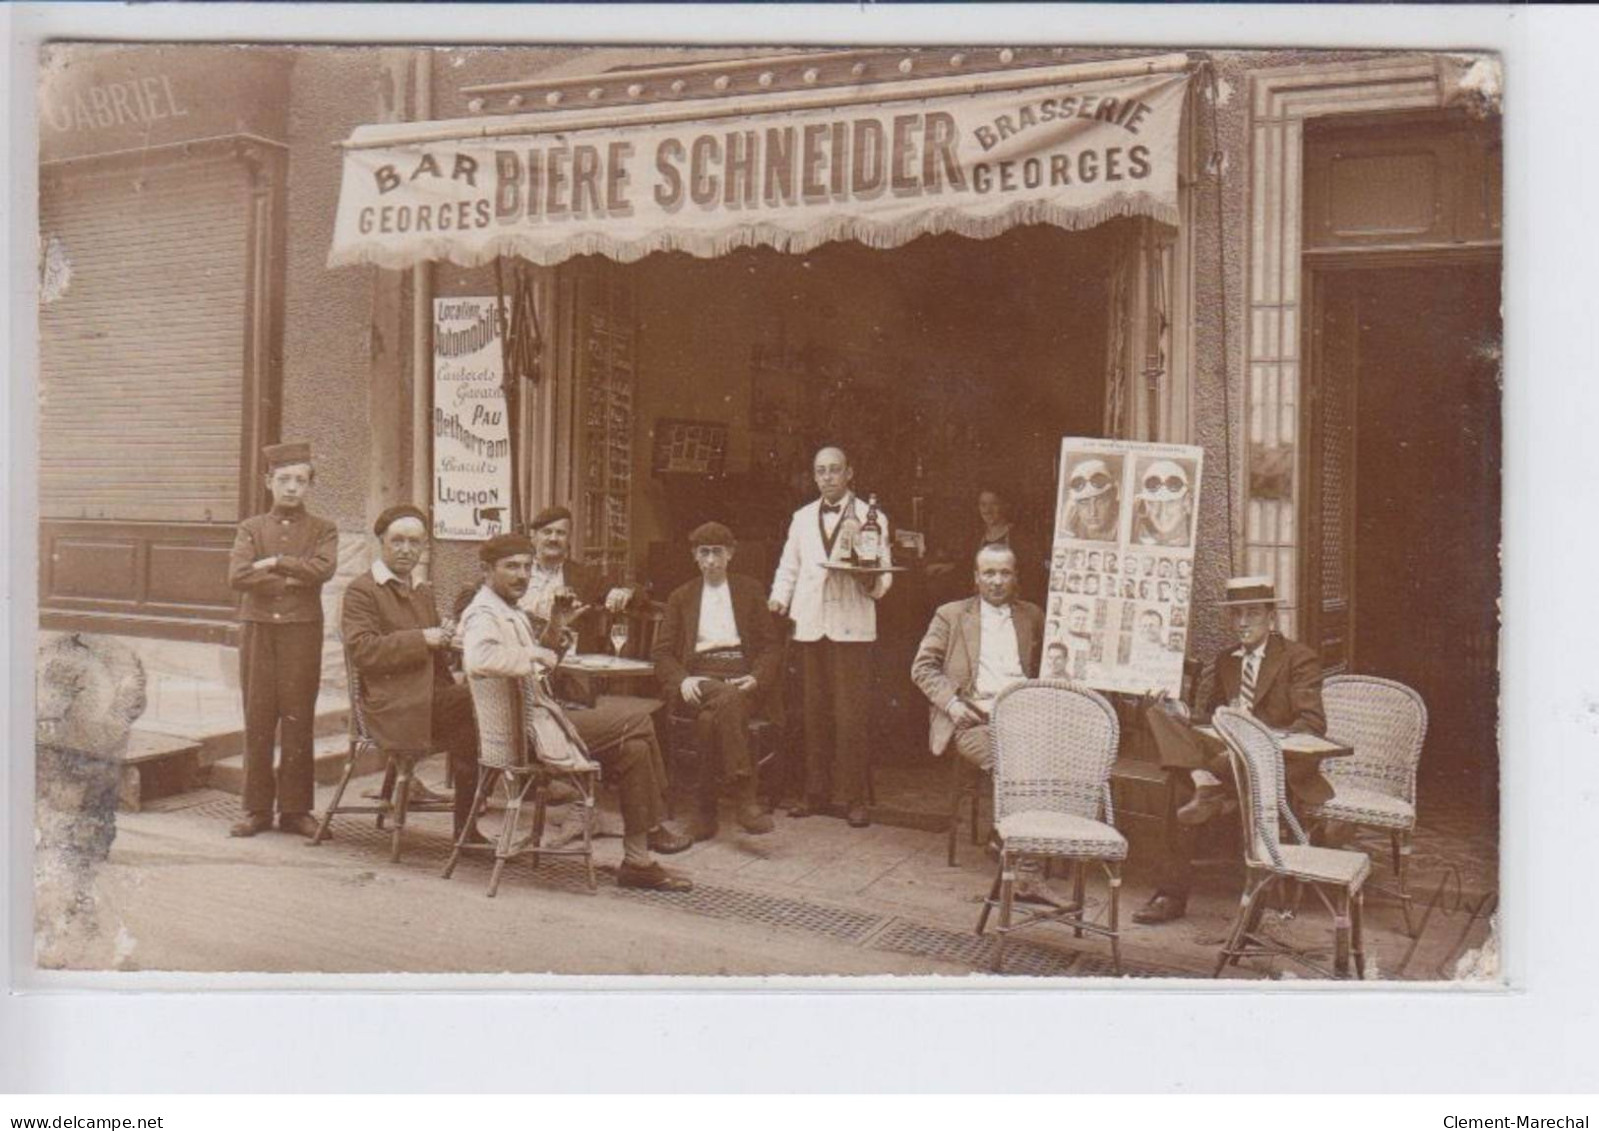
400 647
835 625
719 658
554 573
973 650
500 641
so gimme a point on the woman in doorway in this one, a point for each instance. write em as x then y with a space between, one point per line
951 577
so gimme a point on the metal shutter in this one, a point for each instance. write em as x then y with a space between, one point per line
142 376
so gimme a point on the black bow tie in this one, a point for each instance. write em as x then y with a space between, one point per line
832 508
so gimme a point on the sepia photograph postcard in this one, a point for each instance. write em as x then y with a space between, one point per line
654 509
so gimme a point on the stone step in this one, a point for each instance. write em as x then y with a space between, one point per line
156 765
221 735
227 774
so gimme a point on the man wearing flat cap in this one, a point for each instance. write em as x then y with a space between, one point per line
279 562
718 654
1276 680
502 641
400 647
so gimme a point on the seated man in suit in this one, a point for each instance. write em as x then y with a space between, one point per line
500 640
1275 679
972 651
719 656
400 647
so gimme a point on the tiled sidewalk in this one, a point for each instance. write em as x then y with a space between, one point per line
888 888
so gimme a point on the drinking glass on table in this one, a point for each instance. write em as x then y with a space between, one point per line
618 636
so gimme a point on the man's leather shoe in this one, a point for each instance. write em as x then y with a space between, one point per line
474 836
858 817
651 877
560 792
420 791
807 807
701 828
1038 893
253 823
755 820
1208 801
667 841
1162 908
302 823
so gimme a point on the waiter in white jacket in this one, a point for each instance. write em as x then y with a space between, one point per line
835 625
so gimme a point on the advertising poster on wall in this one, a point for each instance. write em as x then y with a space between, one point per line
471 437
1122 562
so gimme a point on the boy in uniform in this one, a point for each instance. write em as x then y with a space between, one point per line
280 561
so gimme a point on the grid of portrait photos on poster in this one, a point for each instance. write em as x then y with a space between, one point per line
1121 568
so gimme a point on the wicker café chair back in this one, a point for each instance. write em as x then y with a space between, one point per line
1385 722
359 734
1262 794
497 705
1054 743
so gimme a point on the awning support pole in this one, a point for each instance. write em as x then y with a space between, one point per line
508 384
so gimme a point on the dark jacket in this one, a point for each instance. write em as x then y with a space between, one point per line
307 549
1287 688
591 586
382 630
757 633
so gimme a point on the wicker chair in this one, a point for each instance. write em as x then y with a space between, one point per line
1386 723
501 707
398 770
1257 759
1054 743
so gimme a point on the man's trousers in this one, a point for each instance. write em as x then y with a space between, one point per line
280 668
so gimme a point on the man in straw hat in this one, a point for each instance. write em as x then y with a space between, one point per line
280 561
719 657
1275 679
500 640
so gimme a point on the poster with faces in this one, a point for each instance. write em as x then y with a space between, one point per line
1122 564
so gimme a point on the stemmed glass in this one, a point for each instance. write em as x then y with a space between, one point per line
618 636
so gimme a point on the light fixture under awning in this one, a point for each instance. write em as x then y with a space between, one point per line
1070 146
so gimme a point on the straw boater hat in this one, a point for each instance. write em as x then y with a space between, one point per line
1250 591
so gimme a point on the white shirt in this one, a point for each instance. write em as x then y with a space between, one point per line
717 629
382 574
998 663
541 587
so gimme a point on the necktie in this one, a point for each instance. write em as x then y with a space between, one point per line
832 508
1246 690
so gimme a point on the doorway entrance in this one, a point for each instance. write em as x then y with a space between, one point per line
944 367
1405 486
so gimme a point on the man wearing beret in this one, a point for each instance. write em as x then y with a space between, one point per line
500 640
397 642
718 655
279 562
555 573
